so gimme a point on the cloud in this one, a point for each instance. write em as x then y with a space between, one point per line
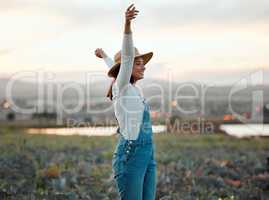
210 11
157 13
50 30
77 12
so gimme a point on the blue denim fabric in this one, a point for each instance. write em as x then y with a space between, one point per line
134 165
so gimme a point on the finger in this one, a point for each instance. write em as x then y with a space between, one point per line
133 12
130 7
131 16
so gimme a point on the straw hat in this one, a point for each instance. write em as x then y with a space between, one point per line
114 70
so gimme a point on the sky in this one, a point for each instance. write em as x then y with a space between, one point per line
219 41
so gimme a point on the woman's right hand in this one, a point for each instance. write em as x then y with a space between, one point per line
130 13
100 53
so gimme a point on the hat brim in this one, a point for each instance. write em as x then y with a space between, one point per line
115 68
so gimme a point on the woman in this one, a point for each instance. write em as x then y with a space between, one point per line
133 161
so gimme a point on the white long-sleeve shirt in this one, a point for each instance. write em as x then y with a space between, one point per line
109 62
127 98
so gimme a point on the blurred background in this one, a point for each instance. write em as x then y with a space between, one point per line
207 87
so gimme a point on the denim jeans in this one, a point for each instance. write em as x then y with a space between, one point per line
134 165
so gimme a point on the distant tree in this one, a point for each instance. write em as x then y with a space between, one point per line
44 115
10 116
265 114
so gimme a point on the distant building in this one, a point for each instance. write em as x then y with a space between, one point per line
8 114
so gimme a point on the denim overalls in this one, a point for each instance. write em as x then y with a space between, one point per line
134 164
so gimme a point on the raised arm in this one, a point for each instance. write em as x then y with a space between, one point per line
100 53
109 62
127 50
